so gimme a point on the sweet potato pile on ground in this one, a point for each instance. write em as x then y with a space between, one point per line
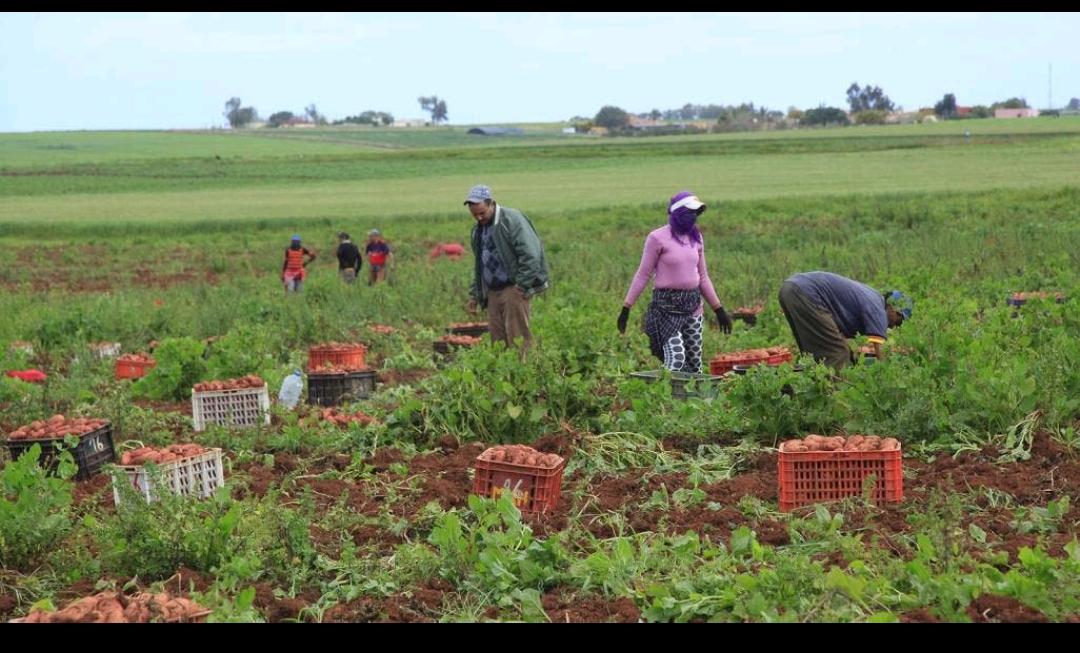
519 454
112 608
1037 294
334 415
841 443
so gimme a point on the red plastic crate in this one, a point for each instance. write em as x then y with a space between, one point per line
816 476
349 357
780 358
534 489
721 367
132 369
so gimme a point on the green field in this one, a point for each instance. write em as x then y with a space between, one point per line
174 241
156 177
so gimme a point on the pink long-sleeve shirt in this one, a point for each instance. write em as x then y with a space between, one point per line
677 265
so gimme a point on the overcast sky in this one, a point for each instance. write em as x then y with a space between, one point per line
95 71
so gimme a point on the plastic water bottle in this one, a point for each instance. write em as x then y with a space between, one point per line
291 388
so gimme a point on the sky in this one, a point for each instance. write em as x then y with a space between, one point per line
62 71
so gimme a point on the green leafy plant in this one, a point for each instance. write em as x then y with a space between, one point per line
179 366
154 538
494 551
34 508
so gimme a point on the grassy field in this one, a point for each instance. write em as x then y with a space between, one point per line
151 178
669 508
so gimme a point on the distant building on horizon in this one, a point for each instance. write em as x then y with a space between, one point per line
1016 113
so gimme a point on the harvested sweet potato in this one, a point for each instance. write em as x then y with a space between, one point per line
519 454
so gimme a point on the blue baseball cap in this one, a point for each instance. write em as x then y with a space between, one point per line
296 239
900 302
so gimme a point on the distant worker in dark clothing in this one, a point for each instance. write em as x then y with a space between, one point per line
348 256
825 309
294 270
379 256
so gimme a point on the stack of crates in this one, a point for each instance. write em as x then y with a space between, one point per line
199 476
239 408
94 450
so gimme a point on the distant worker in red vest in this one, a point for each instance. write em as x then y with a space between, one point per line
379 255
294 270
452 251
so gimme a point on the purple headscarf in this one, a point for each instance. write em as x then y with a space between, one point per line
683 211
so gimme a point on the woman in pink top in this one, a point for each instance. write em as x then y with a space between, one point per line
674 258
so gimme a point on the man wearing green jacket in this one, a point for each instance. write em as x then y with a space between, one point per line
510 267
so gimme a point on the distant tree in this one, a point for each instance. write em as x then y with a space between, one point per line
946 108
368 118
611 118
861 99
313 115
239 116
1011 103
824 116
870 117
981 111
280 118
655 114
794 113
439 114
709 112
1073 105
435 106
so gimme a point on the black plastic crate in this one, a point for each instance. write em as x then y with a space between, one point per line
474 330
335 389
94 451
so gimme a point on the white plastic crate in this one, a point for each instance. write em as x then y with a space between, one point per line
104 350
197 475
241 408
